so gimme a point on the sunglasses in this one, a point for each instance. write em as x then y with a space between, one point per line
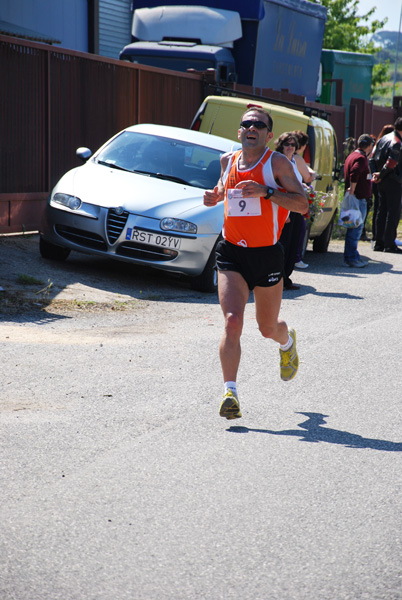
256 124
289 144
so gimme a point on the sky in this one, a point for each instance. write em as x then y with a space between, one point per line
384 8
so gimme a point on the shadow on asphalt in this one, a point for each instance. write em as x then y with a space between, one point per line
305 290
331 263
21 256
378 262
313 432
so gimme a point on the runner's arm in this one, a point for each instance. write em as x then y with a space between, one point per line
212 197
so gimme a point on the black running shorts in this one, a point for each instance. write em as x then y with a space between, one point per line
262 266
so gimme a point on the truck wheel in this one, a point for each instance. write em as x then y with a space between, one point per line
208 280
51 251
321 243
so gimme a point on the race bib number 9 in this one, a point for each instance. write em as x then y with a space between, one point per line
237 206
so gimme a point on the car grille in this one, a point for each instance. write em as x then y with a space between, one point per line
115 224
82 237
145 252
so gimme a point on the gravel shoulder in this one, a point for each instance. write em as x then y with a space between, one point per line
82 283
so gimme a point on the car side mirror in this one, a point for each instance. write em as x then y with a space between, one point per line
83 153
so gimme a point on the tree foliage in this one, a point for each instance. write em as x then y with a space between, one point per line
380 84
346 30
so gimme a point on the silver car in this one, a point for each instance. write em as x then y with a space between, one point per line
139 199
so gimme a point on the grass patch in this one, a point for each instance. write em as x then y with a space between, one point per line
94 306
12 302
28 280
340 232
83 303
17 302
147 295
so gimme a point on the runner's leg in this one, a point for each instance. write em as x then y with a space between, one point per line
233 297
267 306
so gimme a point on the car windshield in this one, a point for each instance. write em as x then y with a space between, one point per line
168 158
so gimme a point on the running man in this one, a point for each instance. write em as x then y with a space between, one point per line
259 188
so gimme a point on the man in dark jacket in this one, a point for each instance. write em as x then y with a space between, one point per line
387 161
358 183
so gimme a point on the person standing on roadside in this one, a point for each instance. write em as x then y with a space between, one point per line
287 144
387 161
386 129
307 173
358 183
308 176
258 188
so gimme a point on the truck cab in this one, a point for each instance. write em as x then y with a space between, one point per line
185 37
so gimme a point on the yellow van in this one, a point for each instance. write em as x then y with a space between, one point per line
221 115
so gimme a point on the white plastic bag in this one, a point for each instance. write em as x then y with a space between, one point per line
350 216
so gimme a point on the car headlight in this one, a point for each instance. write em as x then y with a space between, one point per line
71 202
170 224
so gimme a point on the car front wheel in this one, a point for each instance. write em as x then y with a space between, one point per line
51 251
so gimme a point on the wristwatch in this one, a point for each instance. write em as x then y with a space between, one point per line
269 193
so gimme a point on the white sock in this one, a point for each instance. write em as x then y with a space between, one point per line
286 346
230 385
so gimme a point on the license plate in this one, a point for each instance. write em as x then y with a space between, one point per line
153 239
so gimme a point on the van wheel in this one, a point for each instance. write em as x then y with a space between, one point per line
321 243
51 251
208 280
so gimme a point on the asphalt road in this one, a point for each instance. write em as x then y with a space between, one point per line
119 481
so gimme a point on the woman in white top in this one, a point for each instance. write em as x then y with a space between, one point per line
287 144
305 170
308 176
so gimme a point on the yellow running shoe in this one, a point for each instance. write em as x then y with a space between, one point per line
289 359
230 407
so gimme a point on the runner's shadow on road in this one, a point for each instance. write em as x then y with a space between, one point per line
309 289
313 432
